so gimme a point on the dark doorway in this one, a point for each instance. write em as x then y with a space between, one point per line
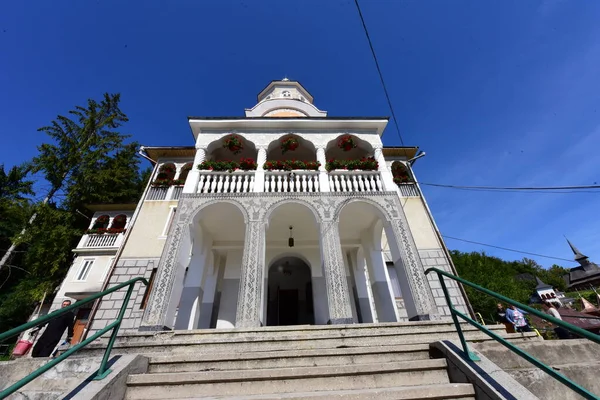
290 293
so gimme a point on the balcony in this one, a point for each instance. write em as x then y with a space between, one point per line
94 241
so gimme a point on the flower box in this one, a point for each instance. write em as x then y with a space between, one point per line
289 165
363 164
245 164
101 231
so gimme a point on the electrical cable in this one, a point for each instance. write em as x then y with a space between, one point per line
389 101
514 188
507 249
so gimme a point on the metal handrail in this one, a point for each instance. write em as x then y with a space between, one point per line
103 371
471 356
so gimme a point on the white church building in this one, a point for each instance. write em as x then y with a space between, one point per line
284 216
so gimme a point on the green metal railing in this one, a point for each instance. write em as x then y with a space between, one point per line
103 371
471 356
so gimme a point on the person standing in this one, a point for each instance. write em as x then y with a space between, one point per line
516 316
560 332
54 331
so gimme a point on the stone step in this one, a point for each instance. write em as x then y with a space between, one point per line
454 391
286 380
294 332
288 359
158 346
36 395
551 352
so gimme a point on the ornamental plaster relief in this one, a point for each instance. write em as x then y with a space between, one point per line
256 209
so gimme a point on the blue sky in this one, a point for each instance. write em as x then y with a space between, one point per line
497 93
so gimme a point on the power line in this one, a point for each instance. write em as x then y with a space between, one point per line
507 249
387 96
542 189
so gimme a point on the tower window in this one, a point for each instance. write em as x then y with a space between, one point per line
286 93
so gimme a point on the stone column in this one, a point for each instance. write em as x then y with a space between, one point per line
251 280
188 316
323 175
338 298
259 175
416 292
386 175
191 183
210 288
384 301
361 289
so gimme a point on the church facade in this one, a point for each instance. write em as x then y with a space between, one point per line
284 216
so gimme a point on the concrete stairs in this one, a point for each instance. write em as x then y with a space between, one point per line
577 359
366 361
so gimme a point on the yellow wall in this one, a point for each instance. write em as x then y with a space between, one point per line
420 225
145 239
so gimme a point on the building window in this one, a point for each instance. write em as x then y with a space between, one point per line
169 222
84 270
394 279
286 93
119 222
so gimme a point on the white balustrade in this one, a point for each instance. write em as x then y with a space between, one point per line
102 240
292 181
355 181
226 182
157 193
176 193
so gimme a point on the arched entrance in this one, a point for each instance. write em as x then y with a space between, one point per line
290 294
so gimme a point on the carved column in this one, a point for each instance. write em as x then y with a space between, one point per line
386 175
323 176
251 279
413 283
338 297
191 183
259 175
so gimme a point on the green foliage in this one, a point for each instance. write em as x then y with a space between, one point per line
500 276
289 165
365 164
86 161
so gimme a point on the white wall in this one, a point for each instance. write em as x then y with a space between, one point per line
229 287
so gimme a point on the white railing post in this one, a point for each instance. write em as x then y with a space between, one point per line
323 176
259 175
386 176
191 182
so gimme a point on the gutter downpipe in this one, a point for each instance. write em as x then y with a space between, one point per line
441 240
142 153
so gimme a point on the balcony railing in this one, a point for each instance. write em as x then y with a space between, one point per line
226 182
102 240
408 190
292 181
355 181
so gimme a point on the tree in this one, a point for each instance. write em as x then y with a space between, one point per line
86 161
81 146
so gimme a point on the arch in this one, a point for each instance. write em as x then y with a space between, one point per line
363 149
305 152
101 222
119 222
216 152
279 203
185 170
288 254
166 172
382 213
401 173
195 214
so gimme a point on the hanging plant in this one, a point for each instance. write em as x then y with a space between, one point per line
288 165
289 144
167 169
101 222
364 164
234 144
346 143
400 173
